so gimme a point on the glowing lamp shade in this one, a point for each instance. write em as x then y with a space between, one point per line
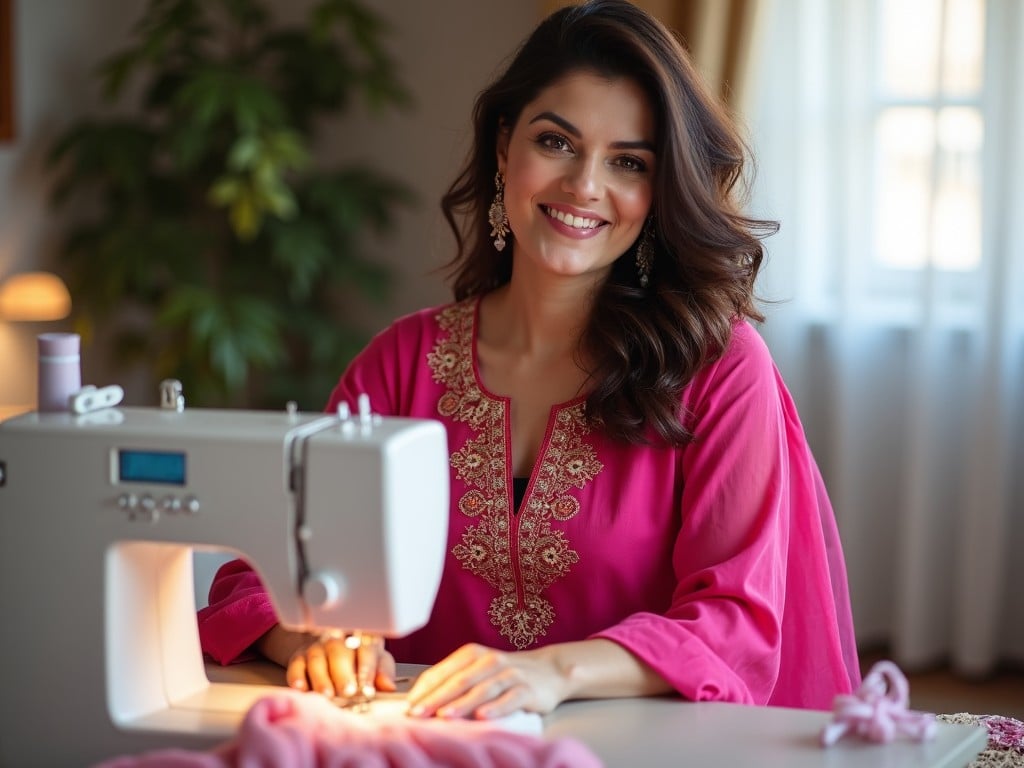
34 296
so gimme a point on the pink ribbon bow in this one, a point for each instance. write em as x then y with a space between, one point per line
877 711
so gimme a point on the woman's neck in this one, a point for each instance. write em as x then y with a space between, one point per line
536 320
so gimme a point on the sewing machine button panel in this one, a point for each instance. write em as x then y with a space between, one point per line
146 507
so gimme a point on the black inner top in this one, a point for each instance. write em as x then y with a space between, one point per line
518 491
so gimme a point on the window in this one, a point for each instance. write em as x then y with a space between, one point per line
928 134
887 134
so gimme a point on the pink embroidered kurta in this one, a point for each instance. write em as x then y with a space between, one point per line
718 564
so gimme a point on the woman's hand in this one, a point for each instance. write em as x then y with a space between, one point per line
348 666
479 682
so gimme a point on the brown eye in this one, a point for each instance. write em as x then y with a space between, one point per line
554 142
631 163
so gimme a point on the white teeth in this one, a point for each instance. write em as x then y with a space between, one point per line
576 222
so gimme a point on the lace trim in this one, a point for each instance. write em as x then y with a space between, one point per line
1005 739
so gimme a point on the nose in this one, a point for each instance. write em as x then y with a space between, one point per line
583 178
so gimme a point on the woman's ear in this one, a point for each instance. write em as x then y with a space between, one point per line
504 133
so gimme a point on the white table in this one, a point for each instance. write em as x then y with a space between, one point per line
665 731
669 732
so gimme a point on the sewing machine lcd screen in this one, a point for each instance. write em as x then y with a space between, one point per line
151 467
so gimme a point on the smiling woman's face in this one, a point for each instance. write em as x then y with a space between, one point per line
579 174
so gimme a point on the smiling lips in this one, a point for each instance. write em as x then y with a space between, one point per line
578 224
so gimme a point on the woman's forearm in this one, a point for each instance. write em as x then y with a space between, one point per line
279 644
599 668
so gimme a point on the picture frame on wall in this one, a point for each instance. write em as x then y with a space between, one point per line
6 71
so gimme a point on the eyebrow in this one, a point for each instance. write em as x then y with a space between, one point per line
569 128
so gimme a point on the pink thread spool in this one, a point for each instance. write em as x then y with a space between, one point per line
60 370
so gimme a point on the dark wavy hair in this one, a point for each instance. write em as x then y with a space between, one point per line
642 345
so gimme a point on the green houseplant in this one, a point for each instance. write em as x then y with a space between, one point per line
208 245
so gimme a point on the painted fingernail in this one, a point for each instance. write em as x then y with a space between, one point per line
300 685
350 689
369 691
328 692
417 711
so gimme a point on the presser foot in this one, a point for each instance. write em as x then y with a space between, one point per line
363 703
359 704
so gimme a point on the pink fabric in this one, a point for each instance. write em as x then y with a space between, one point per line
238 614
294 730
1006 733
878 710
717 564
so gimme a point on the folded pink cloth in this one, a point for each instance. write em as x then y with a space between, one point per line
297 730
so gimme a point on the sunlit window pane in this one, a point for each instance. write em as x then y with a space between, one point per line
916 224
963 47
956 229
928 139
910 32
905 139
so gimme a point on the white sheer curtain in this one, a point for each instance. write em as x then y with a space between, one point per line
904 351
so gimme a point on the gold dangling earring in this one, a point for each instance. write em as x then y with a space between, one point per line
497 216
645 253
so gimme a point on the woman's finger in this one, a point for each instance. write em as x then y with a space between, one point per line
368 656
513 700
444 671
481 694
486 669
295 674
317 670
342 667
385 680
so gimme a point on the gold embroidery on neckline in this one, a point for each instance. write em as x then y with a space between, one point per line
519 610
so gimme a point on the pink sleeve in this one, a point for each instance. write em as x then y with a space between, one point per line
239 613
376 372
720 638
240 610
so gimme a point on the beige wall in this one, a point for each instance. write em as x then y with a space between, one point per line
447 50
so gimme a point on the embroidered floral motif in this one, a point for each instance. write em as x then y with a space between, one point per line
473 503
519 610
565 507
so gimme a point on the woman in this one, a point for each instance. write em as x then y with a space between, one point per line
635 509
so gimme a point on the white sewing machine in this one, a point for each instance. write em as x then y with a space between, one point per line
344 517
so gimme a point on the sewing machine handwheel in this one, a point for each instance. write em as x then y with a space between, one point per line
323 590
